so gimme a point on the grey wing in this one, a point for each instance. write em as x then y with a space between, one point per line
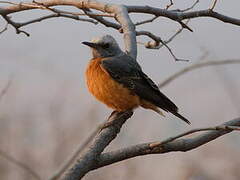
127 71
123 69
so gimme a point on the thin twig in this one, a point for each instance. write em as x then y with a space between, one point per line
170 50
196 66
100 19
173 36
5 89
216 128
20 164
15 25
57 15
169 5
8 2
146 21
191 7
185 26
155 44
4 154
4 29
213 5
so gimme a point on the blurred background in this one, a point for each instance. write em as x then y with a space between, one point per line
47 112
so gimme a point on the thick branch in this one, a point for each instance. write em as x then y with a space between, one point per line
176 145
179 16
101 141
75 17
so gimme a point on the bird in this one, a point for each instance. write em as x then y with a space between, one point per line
117 80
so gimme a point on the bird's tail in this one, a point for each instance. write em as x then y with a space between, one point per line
181 117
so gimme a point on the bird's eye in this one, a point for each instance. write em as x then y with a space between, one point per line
106 45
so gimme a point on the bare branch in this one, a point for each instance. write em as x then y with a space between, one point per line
146 21
20 164
173 36
213 5
179 16
155 44
221 127
15 25
102 20
19 25
121 15
169 5
89 159
170 145
5 89
4 154
196 66
119 11
191 7
4 29
71 159
57 15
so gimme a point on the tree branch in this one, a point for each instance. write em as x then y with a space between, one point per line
146 21
20 164
15 25
191 7
179 16
170 145
196 66
75 17
101 141
4 154
120 13
155 44
4 29
73 156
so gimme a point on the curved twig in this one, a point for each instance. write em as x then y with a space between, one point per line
196 66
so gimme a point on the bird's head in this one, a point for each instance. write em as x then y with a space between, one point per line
105 46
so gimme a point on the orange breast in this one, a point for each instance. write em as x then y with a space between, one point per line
107 90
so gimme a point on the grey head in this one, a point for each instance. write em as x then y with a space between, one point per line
105 46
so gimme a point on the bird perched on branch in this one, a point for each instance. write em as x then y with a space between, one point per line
117 80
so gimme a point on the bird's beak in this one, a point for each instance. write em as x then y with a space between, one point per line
90 44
